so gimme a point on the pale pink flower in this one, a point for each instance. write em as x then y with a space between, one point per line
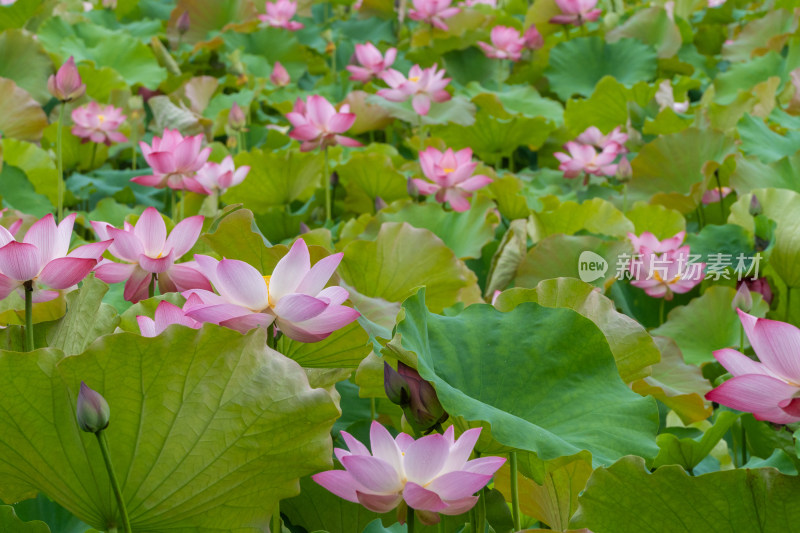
662 276
219 177
433 12
174 160
294 296
280 76
280 13
595 137
43 259
373 64
716 3
166 315
433 474
98 123
665 98
471 3
66 84
146 251
422 85
507 43
576 12
533 39
649 243
450 175
770 389
318 125
712 196
761 286
585 158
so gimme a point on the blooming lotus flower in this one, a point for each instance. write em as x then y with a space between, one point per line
219 177
585 158
433 12
294 296
471 3
595 137
451 176
770 389
662 276
665 98
42 259
533 39
507 43
318 125
280 76
431 474
98 123
175 160
373 63
147 250
648 243
166 315
66 84
576 12
280 13
422 85
715 195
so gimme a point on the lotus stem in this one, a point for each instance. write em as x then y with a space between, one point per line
94 155
411 520
721 205
514 490
103 442
372 408
29 316
60 162
661 307
326 184
788 304
276 520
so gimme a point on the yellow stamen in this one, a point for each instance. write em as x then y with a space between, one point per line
448 170
269 298
658 277
101 118
415 79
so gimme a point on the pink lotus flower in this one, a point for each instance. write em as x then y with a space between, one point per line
166 315
219 177
42 259
98 123
471 3
280 13
433 12
294 296
66 84
280 76
585 158
146 250
373 64
662 276
759 285
533 39
576 12
648 243
422 85
770 389
451 174
595 137
507 43
431 474
175 160
318 124
714 195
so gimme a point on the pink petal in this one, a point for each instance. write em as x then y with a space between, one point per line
753 393
185 277
44 235
93 250
299 307
184 235
374 474
160 162
421 498
457 485
111 272
484 465
147 326
379 503
151 232
290 271
474 183
137 286
354 445
241 284
384 447
126 245
334 295
20 261
739 364
341 122
460 506
216 313
339 482
320 273
64 272
461 449
421 103
425 458
156 265
8 285
319 327
777 345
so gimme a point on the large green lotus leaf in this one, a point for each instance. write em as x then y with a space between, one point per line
759 140
507 192
10 523
36 163
19 13
670 170
403 258
236 236
522 100
344 348
627 498
666 122
577 65
209 15
465 233
707 323
204 438
679 386
275 178
368 176
18 192
651 26
558 256
553 391
471 65
688 452
101 82
633 348
730 239
661 221
750 173
783 207
56 517
595 216
457 110
25 63
21 117
85 41
606 108
745 76
767 32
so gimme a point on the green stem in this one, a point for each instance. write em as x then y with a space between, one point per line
440 526
702 215
744 445
183 197
134 131
60 162
276 521
173 204
411 520
151 290
103 442
326 183
29 316
624 197
514 490
788 303
94 155
721 206
372 409
661 307
271 342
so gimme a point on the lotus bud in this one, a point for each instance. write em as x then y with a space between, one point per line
304 228
184 23
533 39
424 410
743 299
755 206
92 411
611 20
624 170
380 203
66 84
395 386
280 76
236 118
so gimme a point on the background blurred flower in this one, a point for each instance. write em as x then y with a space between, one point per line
422 85
166 315
318 125
433 12
97 123
66 84
585 158
450 175
175 160
219 177
280 13
576 12
664 275
507 43
372 63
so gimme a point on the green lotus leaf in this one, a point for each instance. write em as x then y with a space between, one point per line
18 192
688 452
202 439
457 110
728 239
606 108
758 34
751 173
596 216
485 371
507 192
667 121
759 140
745 76
707 323
25 63
207 16
627 498
10 522
577 65
56 517
18 14
657 219
21 117
403 258
470 65
367 176
236 236
523 100
651 26
344 348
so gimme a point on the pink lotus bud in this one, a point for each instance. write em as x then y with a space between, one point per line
66 84
236 118
743 299
533 39
380 203
304 228
624 170
395 386
92 411
755 206
279 76
423 411
184 23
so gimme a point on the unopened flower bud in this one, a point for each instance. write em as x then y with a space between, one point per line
66 84
533 39
380 203
624 170
755 206
92 411
743 299
395 386
236 118
424 411
184 23
304 228
280 76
